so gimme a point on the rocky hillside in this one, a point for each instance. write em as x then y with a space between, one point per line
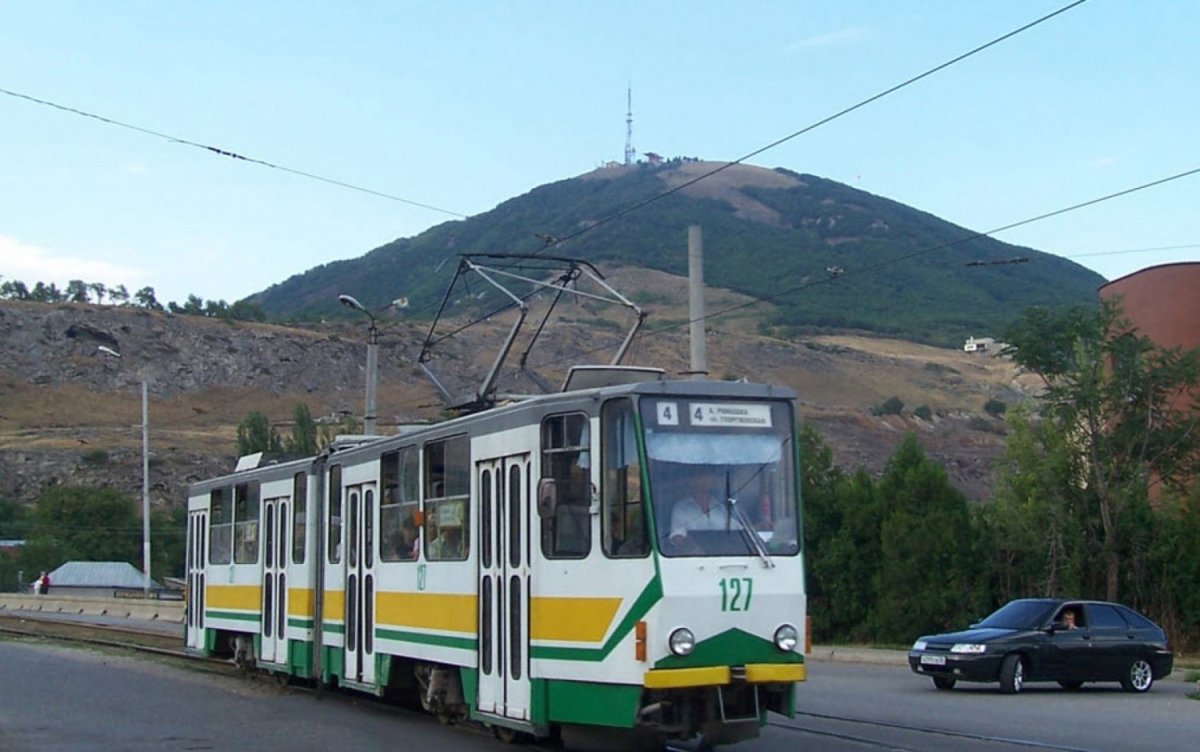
70 414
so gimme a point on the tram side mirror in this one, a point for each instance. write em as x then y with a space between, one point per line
547 497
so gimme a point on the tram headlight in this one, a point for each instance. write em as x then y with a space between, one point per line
682 641
786 638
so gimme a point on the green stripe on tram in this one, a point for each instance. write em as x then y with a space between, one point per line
649 596
232 615
420 638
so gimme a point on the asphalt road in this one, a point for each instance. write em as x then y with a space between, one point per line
64 698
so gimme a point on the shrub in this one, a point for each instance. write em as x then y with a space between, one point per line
95 457
923 412
891 406
994 408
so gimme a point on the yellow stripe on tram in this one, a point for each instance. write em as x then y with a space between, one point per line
335 605
442 611
300 602
240 597
572 619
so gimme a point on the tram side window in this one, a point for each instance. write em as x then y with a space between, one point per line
220 523
299 517
447 485
335 514
398 514
245 523
566 458
623 517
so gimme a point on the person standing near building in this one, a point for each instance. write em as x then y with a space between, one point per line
45 580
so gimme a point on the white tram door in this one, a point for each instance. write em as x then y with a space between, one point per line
197 554
274 609
360 583
504 687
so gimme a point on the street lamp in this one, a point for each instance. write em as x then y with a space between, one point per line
372 361
145 477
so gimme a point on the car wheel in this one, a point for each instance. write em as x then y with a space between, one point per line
1072 685
1012 674
944 682
1139 677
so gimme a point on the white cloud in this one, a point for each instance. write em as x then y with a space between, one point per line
136 169
1101 163
841 37
32 264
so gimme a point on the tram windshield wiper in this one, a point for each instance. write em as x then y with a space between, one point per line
734 511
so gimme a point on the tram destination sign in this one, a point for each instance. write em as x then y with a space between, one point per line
730 415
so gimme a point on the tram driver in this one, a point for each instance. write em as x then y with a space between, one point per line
702 509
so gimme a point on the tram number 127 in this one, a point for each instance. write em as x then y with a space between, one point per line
735 593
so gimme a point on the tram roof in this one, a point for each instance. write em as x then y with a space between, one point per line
509 413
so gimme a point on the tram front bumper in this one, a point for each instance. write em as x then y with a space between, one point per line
709 676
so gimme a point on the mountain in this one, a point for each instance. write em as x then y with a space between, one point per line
829 257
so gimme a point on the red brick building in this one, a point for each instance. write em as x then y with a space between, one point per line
1163 302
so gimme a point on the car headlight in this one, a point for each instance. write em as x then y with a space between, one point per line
918 645
682 641
786 638
968 647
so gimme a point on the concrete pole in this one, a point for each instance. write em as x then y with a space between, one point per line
372 377
145 488
699 350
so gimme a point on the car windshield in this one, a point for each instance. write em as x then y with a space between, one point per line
1019 615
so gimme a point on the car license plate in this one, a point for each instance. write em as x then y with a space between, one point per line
933 660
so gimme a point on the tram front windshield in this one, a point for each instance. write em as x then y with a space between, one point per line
721 477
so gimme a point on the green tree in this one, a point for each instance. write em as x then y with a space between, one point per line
44 293
1117 397
77 291
256 434
146 298
82 523
304 432
1174 569
15 524
1037 525
14 289
841 539
927 574
168 534
100 289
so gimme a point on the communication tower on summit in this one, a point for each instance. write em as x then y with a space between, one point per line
629 152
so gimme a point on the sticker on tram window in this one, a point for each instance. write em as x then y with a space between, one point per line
668 414
730 415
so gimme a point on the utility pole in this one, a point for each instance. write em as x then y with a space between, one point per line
145 474
699 348
372 361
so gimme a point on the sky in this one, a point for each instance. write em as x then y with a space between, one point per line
459 106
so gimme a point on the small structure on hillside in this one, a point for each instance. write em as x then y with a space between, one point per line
983 344
98 579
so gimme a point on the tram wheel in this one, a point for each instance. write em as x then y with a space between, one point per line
505 734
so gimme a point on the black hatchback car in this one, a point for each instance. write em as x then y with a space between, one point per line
1049 639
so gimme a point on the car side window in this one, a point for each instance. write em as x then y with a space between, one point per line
1104 617
1136 620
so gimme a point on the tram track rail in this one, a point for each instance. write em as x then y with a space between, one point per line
1005 742
101 635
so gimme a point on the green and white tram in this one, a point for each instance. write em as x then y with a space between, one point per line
543 565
